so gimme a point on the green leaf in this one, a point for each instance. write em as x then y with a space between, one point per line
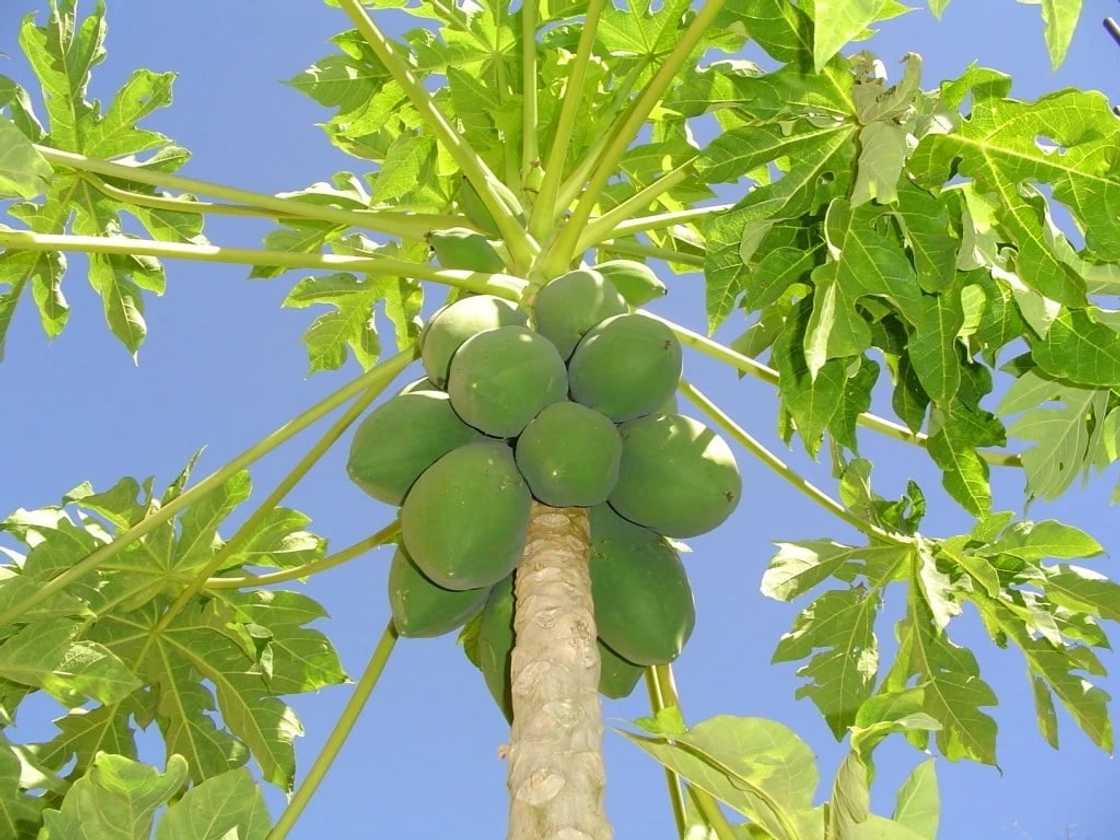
23 171
1060 19
222 808
929 232
918 802
885 713
19 811
1033 541
1079 349
836 22
812 401
116 800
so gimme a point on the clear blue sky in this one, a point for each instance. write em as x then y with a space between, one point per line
224 364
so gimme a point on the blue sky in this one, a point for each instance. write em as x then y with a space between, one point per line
223 365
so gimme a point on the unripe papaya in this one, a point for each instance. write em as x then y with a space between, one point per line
421 384
454 324
635 281
571 305
464 520
569 455
643 602
626 367
474 208
421 608
677 477
501 379
400 439
495 644
617 676
466 250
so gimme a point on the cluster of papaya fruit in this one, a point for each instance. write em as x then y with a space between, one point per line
571 403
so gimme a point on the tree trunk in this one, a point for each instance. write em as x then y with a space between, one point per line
556 773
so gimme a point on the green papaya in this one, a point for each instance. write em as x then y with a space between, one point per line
495 644
421 384
454 324
421 608
677 477
400 439
626 367
617 676
501 379
643 602
466 250
635 281
464 520
571 305
569 455
475 209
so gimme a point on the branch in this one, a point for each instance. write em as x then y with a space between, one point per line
545 207
413 225
638 249
663 693
386 535
660 221
495 284
249 527
564 248
339 734
747 365
384 372
602 227
474 167
779 466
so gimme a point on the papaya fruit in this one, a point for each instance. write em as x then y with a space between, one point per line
421 384
643 602
634 280
617 676
400 439
466 250
464 520
677 477
626 367
495 644
569 455
421 608
501 379
454 324
474 208
568 307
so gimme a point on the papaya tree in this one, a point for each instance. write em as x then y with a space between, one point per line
535 182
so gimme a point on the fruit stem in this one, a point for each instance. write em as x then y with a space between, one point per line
415 225
747 365
803 485
249 527
496 284
564 248
544 209
339 734
473 166
388 534
676 792
384 372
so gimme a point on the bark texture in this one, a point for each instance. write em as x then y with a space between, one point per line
556 774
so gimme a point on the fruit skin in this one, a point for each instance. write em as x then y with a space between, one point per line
626 367
495 644
466 250
643 602
677 477
464 520
423 609
400 439
501 379
569 455
574 303
617 676
635 281
454 324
